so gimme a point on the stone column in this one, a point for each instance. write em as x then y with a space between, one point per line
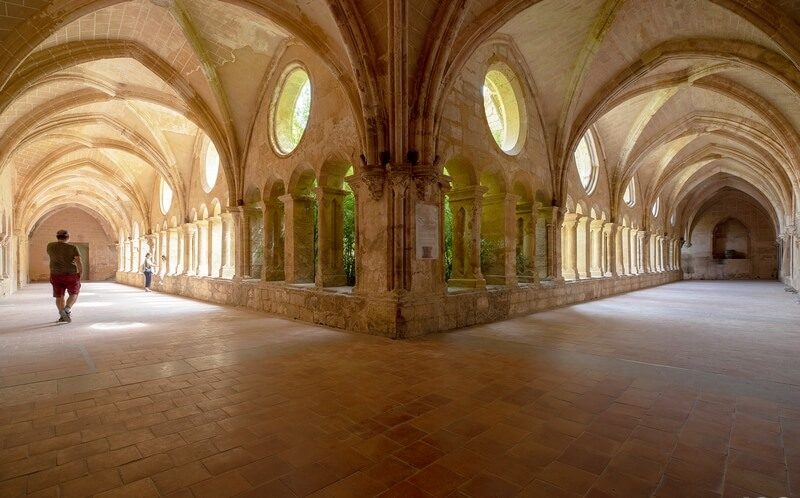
243 256
569 250
498 230
526 242
612 250
189 249
201 244
172 251
552 242
627 261
466 204
330 224
644 251
299 238
273 241
214 246
428 194
598 248
121 256
583 247
230 221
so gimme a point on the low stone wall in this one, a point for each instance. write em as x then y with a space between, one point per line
402 317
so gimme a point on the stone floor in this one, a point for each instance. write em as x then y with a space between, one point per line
690 389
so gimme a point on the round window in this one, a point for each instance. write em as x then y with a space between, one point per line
504 108
586 161
292 110
656 206
210 167
629 196
165 195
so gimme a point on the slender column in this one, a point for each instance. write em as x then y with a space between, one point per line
214 246
201 247
569 250
230 221
642 239
466 204
552 242
330 230
526 237
172 251
598 248
611 253
299 240
121 256
273 241
244 243
583 247
625 250
189 249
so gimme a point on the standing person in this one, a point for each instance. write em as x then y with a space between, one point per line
147 269
65 273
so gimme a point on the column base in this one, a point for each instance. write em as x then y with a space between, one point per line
596 273
501 280
469 283
227 272
569 275
332 281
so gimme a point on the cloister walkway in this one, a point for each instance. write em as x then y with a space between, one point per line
689 389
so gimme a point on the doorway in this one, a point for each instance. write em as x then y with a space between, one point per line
83 250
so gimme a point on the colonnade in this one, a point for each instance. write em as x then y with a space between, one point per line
593 248
204 248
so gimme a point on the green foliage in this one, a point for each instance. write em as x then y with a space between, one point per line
349 235
256 244
489 254
522 263
448 240
315 243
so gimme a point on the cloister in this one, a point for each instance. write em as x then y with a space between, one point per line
402 169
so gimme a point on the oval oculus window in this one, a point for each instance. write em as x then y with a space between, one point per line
292 110
210 167
503 108
165 196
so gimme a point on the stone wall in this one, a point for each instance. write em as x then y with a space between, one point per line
753 246
83 228
7 236
396 318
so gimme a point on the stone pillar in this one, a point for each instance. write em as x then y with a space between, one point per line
498 233
330 224
626 266
612 251
243 256
552 243
214 246
172 251
299 238
466 204
569 250
598 248
202 239
644 251
189 249
428 193
526 236
230 222
121 256
273 241
583 247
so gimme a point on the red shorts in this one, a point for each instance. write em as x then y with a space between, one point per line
70 283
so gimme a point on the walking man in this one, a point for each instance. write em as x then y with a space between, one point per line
65 273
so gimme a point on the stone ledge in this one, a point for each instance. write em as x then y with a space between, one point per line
390 316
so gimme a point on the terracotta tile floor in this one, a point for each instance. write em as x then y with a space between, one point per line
690 389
